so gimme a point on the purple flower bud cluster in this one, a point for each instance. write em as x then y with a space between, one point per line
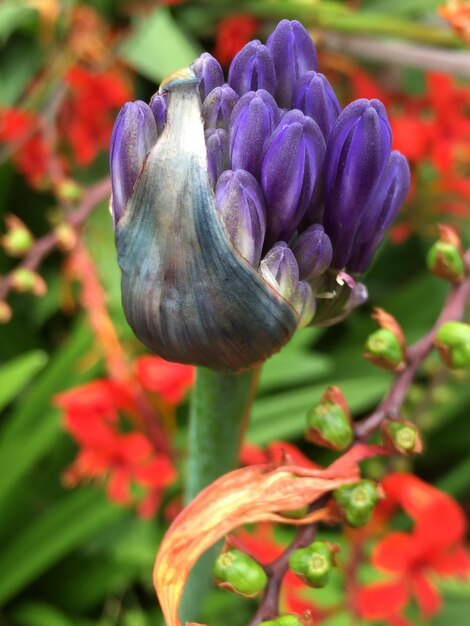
303 187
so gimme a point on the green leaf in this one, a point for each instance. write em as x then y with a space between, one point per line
40 614
52 535
15 374
282 415
157 46
13 14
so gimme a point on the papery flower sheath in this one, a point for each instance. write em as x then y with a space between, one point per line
245 210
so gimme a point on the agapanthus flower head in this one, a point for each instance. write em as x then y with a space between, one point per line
246 209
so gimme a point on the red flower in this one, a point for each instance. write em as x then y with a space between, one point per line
128 460
19 130
170 380
87 116
232 34
276 452
434 547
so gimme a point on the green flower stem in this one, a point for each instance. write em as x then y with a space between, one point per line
219 414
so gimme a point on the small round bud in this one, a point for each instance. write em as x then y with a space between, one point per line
5 313
357 501
283 620
445 257
401 436
313 563
236 571
66 236
18 239
69 190
25 280
453 342
383 348
329 423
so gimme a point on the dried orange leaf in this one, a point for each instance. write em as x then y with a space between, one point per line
252 494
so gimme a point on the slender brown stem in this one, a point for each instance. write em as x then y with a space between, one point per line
390 406
44 246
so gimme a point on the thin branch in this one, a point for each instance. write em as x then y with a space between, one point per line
391 405
453 309
45 245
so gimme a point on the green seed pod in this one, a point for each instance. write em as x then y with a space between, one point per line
357 501
453 342
313 563
401 436
283 620
329 423
236 571
445 257
383 348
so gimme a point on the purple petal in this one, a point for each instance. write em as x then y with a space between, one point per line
315 97
240 202
158 107
252 69
218 106
291 168
383 208
253 120
313 251
357 153
209 73
218 160
294 53
134 133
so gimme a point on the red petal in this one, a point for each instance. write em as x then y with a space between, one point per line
455 561
382 600
170 380
396 552
429 600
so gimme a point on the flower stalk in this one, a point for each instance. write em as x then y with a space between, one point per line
220 407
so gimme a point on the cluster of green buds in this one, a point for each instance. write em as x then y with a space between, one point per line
453 342
357 501
329 423
314 563
445 258
401 436
386 347
235 571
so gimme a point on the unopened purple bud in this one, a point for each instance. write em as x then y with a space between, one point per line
252 69
291 168
280 269
218 160
254 118
383 207
218 107
158 107
209 73
294 53
313 251
358 151
240 202
315 97
134 133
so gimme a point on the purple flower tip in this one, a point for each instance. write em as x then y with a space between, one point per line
240 202
209 73
252 69
218 160
315 97
218 107
313 252
134 133
158 107
253 119
291 167
293 52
